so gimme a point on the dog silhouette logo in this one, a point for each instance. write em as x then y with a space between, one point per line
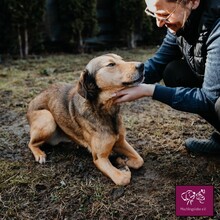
190 196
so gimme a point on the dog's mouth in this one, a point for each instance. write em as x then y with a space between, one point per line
137 80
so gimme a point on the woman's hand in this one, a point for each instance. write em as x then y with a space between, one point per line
133 93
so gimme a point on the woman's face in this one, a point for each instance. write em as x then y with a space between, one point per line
171 14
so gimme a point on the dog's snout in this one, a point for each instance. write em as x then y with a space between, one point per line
140 67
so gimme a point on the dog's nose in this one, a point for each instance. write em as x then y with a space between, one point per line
140 67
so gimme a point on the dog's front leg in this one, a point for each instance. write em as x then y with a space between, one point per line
123 147
101 151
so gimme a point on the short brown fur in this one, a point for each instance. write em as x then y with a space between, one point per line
87 115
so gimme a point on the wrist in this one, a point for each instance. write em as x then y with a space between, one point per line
148 89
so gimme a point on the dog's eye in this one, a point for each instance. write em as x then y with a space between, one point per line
111 64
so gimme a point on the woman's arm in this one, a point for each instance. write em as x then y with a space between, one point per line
197 100
194 100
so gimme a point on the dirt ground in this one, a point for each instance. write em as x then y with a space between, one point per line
69 186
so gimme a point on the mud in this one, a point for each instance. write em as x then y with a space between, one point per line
69 186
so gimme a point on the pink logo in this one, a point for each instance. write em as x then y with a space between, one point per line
194 200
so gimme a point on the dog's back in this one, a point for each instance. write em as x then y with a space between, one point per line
73 115
54 94
57 101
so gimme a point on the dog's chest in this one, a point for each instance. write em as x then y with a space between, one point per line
103 122
97 118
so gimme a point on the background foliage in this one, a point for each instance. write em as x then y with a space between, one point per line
30 27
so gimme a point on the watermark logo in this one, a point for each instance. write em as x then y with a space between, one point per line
194 200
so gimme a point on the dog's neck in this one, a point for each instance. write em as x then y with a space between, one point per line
107 100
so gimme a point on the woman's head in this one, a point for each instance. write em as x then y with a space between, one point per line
171 13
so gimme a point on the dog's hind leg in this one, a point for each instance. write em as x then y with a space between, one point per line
42 127
134 159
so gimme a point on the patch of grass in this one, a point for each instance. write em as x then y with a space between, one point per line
69 186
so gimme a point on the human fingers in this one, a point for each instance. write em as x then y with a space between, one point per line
120 99
119 93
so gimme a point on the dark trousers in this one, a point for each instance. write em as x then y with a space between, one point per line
178 74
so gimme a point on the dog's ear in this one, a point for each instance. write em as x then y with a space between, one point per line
87 86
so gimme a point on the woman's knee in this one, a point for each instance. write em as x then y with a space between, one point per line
178 73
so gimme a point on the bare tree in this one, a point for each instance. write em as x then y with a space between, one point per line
79 20
26 15
130 20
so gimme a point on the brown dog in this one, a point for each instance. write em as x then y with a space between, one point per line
86 114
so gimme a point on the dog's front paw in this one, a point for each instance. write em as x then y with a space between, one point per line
133 163
41 158
124 177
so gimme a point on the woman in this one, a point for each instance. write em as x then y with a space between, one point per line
188 61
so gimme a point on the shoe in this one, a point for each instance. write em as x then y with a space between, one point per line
204 146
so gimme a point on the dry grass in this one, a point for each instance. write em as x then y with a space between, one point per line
69 186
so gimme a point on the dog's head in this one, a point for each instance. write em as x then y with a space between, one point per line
109 73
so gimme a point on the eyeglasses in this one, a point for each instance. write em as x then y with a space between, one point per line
166 19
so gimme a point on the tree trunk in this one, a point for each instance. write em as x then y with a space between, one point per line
26 44
80 43
131 41
20 43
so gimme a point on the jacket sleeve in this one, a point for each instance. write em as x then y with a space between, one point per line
167 52
198 100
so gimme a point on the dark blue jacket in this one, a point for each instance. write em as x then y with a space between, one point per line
195 100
